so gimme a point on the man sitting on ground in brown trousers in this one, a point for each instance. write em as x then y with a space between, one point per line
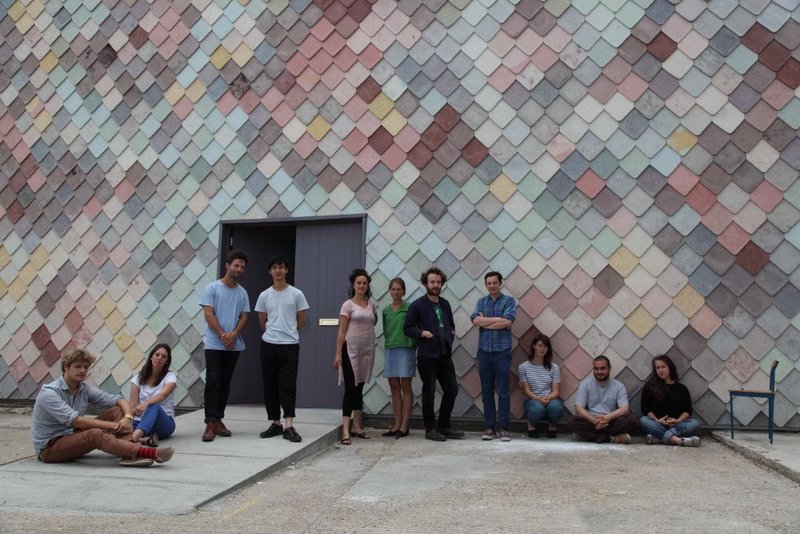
62 432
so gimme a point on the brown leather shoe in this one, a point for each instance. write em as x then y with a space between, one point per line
222 430
210 432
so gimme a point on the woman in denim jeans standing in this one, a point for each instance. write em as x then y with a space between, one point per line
667 407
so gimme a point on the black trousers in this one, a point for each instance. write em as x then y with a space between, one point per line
279 378
353 398
220 365
431 370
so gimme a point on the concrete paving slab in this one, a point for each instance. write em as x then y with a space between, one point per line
783 455
198 473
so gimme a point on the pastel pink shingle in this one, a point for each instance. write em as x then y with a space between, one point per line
617 70
501 78
560 147
578 282
370 56
516 60
282 114
766 196
367 159
124 190
761 115
226 103
557 38
183 107
92 208
593 302
544 58
345 58
407 138
169 19
734 238
249 101
158 35
99 255
591 184
682 179
656 301
717 218
393 157
355 141
501 44
700 199
332 77
296 64
633 87
321 61
533 302
168 48
309 46
322 29
272 99
305 145
705 321
777 94
308 79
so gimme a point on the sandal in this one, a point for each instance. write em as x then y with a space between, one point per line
362 434
346 441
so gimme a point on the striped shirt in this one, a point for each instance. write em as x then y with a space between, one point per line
490 340
539 379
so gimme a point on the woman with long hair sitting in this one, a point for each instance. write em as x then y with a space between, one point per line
667 407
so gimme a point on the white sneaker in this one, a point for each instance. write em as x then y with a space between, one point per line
692 441
621 439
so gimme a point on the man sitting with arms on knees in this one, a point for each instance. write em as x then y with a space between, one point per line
62 432
601 407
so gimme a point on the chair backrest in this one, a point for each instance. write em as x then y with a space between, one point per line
772 376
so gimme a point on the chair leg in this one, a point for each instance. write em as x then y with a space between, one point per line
771 417
731 410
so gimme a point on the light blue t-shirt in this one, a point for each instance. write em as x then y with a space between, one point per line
599 399
228 304
281 308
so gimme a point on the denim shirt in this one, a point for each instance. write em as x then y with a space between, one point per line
490 340
56 409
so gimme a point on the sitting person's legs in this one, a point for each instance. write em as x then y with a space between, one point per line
73 446
554 408
684 429
155 419
652 427
534 412
585 430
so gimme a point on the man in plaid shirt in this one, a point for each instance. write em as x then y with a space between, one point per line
494 314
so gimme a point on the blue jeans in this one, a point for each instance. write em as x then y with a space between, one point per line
155 419
535 411
663 433
493 369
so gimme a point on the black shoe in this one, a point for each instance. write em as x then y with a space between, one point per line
434 435
551 433
292 435
533 433
391 433
449 433
272 431
401 434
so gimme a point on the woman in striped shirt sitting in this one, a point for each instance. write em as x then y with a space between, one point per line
540 379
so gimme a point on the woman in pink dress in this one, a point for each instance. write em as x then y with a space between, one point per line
355 352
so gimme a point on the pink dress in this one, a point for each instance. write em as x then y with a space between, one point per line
360 339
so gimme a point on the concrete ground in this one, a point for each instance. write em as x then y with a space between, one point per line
414 485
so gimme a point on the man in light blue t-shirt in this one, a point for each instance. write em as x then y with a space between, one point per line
601 407
225 307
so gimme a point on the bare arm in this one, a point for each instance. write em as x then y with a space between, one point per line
165 392
337 358
492 323
122 426
211 319
262 320
580 411
301 319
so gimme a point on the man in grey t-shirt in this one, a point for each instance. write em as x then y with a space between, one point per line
601 407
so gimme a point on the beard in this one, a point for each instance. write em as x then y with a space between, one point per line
434 292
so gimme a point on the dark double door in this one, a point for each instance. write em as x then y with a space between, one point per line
321 254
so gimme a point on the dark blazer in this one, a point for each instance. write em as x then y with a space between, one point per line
421 316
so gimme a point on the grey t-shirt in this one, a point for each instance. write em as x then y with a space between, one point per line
599 399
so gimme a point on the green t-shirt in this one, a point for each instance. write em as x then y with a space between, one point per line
393 335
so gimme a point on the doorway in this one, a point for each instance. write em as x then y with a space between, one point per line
321 253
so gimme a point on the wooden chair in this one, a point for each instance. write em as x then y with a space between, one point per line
760 394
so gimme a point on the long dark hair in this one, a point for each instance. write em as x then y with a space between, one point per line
355 274
656 386
548 357
147 370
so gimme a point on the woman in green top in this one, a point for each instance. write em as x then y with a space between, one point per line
399 366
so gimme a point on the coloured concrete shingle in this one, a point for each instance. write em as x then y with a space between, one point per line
631 166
